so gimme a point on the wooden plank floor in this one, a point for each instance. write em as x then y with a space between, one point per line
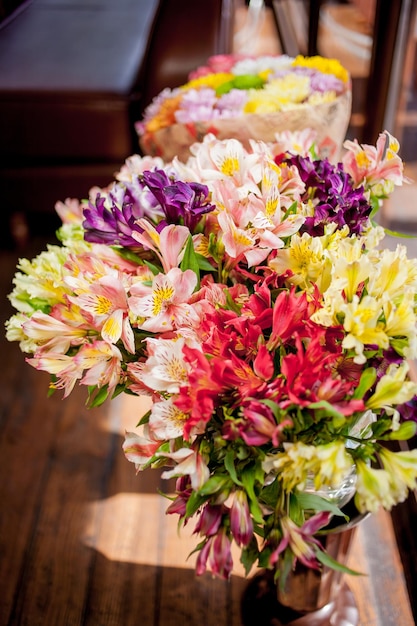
84 541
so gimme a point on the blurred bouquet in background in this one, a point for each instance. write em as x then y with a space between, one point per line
246 293
251 98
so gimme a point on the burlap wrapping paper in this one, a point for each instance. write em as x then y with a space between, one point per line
330 120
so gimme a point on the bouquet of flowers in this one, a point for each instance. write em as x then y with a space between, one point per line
244 292
251 98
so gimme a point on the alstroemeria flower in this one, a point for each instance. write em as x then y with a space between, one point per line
301 540
190 463
209 520
402 468
167 243
393 388
241 524
102 364
374 489
139 449
217 553
61 366
370 165
181 202
165 368
335 199
112 221
54 334
166 421
164 305
106 301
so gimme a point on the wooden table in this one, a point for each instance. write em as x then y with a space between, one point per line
84 541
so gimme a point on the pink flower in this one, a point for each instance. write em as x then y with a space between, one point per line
301 540
241 523
370 165
140 449
216 553
190 463
106 301
209 521
164 305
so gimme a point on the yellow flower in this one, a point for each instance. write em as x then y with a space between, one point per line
320 98
363 326
402 468
304 258
39 284
280 92
374 489
393 388
327 66
209 80
400 319
328 464
393 273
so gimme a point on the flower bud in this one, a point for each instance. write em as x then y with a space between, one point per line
241 523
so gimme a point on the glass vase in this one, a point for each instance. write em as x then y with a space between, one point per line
307 597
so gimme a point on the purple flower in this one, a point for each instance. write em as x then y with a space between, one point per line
182 203
334 197
408 410
111 221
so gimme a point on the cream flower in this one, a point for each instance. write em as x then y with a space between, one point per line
393 388
374 489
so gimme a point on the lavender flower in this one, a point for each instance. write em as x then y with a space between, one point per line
197 104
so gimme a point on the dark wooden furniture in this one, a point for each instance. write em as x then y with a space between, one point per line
75 77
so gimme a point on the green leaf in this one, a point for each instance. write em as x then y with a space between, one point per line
248 480
270 494
154 268
367 380
96 397
338 418
249 555
406 430
313 502
287 565
327 560
204 264
193 503
394 233
276 410
214 484
230 466
190 261
144 419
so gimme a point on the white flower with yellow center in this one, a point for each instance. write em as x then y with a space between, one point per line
166 421
165 368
